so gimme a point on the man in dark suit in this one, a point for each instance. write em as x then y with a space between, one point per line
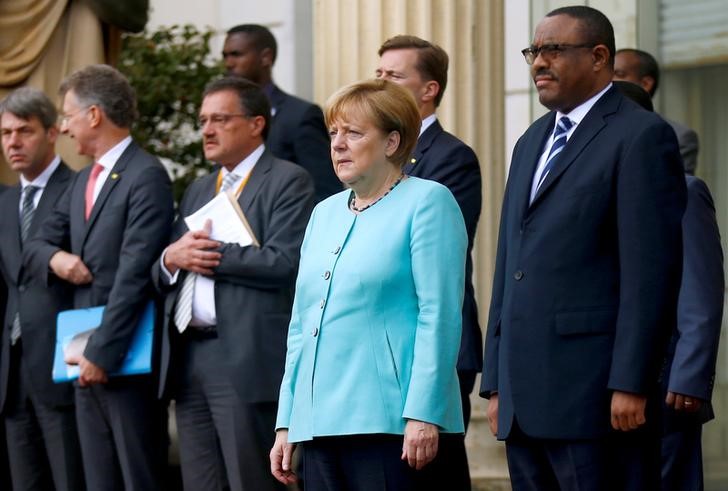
297 131
693 349
40 422
421 67
228 306
641 68
587 273
103 236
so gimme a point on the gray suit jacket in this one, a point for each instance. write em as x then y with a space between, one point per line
253 286
688 141
127 229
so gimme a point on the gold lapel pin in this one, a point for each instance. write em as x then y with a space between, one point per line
413 160
114 175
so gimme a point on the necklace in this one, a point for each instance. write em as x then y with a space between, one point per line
359 210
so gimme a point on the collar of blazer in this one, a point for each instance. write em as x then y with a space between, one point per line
585 132
252 187
114 177
51 194
424 142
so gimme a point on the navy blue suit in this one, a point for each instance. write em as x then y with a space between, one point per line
587 277
298 134
440 156
693 348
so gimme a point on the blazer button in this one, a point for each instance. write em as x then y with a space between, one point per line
337 250
314 332
21 288
323 302
327 275
518 275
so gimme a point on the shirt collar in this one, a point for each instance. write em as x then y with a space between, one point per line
109 159
427 122
44 176
246 165
577 114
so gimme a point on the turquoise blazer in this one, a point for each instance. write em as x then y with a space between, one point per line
376 322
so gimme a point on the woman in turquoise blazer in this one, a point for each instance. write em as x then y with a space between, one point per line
376 322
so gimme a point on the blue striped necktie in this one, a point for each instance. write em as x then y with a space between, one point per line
562 128
26 219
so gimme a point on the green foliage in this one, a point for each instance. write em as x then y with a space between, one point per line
169 68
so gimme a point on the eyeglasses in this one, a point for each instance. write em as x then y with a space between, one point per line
549 51
65 118
218 119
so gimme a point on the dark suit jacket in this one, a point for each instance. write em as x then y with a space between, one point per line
587 276
128 227
253 286
36 303
687 139
298 134
693 348
441 157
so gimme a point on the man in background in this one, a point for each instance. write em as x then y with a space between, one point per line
297 130
421 67
102 237
228 306
40 421
641 68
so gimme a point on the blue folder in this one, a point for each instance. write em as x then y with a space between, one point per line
74 327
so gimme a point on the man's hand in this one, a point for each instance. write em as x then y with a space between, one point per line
90 373
69 267
420 443
628 410
192 252
280 458
492 413
681 402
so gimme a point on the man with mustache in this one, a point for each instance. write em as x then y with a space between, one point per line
587 273
228 306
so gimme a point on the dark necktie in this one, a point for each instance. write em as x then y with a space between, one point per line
26 219
562 128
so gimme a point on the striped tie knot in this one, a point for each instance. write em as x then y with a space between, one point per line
562 128
28 210
228 181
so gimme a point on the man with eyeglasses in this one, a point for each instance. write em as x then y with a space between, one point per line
104 234
587 273
40 419
228 306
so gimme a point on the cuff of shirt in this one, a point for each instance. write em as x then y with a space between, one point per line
169 278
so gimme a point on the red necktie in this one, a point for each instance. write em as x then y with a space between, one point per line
90 185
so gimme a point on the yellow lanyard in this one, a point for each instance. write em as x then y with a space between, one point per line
240 187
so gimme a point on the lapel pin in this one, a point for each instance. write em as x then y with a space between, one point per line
114 175
413 160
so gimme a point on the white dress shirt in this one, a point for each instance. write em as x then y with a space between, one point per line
427 122
203 299
576 116
107 161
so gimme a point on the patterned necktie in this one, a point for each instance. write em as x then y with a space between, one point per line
562 128
183 311
26 218
90 185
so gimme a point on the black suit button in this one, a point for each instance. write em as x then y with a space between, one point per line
21 288
518 275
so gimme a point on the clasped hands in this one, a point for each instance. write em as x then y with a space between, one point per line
194 252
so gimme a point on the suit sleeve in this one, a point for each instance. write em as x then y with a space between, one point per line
438 245
274 264
700 307
53 235
311 147
149 217
650 201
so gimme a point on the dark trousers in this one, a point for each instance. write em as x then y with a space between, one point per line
620 461
121 427
682 460
356 463
42 441
223 440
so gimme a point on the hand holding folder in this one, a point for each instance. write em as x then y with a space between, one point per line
228 221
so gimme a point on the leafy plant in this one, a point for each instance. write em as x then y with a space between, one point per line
169 69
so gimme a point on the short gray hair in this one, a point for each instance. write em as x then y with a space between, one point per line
28 102
106 87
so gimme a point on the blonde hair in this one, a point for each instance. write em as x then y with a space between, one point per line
385 104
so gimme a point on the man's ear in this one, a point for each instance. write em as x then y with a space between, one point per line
647 83
432 88
266 57
257 125
600 55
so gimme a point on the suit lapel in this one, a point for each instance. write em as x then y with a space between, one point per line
12 235
256 180
51 194
116 175
532 150
424 142
585 132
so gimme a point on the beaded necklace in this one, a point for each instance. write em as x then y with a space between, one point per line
359 210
